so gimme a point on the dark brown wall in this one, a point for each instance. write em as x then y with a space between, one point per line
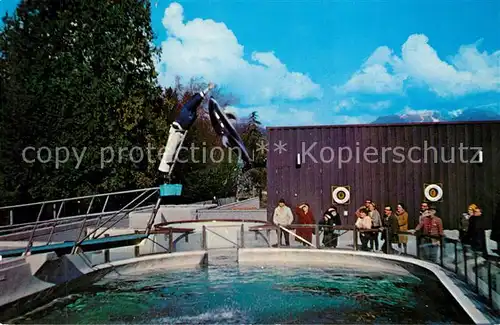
388 182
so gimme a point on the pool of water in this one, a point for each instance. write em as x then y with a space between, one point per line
257 295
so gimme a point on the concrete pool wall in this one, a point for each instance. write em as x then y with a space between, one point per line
31 282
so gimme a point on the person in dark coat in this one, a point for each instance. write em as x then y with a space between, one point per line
330 219
476 236
390 222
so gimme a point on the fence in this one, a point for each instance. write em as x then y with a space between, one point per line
479 270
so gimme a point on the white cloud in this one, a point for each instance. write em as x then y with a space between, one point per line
424 114
274 116
210 50
347 104
469 71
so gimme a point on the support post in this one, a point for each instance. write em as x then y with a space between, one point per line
355 239
204 238
106 252
242 235
476 271
278 240
456 257
316 232
171 241
464 248
441 251
11 217
490 289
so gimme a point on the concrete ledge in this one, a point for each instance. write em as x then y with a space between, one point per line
24 291
354 259
165 261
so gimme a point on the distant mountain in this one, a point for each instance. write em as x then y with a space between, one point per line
472 114
476 114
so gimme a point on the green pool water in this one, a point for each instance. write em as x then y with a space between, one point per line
257 295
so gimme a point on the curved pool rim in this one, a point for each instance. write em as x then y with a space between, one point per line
302 257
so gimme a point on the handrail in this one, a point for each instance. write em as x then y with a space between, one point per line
297 236
20 227
223 237
77 198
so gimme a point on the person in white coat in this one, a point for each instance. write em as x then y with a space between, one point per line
283 217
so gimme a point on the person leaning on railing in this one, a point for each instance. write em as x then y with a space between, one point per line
283 216
364 222
430 225
305 217
330 219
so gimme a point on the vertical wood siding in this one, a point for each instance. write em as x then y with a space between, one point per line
387 181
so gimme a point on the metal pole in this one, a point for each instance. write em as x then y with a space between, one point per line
316 230
441 251
490 289
55 223
355 239
388 246
30 242
278 241
11 217
204 238
171 241
477 271
464 248
102 211
456 258
418 238
242 234
106 252
153 216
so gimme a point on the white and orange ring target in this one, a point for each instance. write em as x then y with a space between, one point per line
433 192
341 195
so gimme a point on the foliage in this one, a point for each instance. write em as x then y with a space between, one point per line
81 75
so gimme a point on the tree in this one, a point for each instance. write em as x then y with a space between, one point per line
255 141
75 75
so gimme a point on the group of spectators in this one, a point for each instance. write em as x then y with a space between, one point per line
374 227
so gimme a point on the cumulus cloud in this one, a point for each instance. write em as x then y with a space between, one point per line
273 115
469 71
210 50
350 103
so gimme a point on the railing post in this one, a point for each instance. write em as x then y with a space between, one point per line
441 251
106 252
54 213
418 239
204 238
278 241
11 217
242 235
137 249
464 249
490 289
476 271
355 239
316 231
456 257
388 241
171 241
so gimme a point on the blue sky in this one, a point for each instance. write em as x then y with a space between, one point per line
335 62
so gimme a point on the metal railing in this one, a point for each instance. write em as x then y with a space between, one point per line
68 207
105 220
478 269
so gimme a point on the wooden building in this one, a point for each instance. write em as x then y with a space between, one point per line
388 164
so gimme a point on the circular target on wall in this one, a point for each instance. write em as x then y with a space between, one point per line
341 195
433 192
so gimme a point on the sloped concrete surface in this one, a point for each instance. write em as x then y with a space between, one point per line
357 260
